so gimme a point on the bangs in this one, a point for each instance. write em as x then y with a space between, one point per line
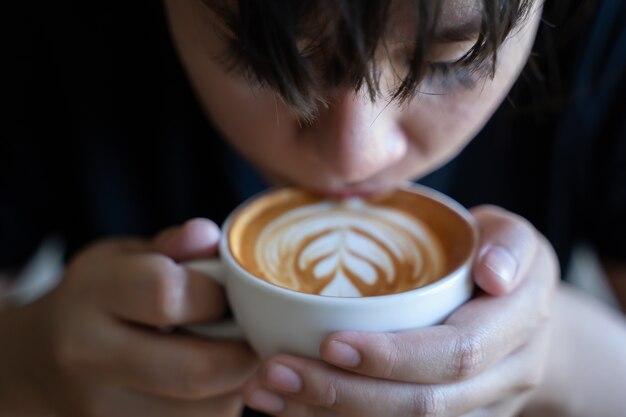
304 49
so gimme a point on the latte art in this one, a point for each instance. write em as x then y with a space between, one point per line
348 249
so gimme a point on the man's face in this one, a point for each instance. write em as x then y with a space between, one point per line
354 146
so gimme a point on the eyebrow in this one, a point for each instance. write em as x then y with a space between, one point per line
464 31
459 21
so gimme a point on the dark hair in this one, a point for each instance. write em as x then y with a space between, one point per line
283 44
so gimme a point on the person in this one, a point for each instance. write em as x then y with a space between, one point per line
130 142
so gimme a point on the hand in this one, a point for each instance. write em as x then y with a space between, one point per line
482 361
98 345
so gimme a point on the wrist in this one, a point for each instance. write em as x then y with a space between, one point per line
586 369
22 371
550 398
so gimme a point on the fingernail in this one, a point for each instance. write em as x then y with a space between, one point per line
283 378
266 401
342 354
501 262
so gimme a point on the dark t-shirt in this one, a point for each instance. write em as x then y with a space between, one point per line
101 134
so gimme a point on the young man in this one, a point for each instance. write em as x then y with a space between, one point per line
344 99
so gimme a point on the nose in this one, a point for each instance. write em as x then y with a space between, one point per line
356 138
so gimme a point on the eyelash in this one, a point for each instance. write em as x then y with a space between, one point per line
446 76
451 75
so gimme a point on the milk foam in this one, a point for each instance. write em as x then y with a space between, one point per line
348 249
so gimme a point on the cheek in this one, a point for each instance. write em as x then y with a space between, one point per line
239 111
245 115
439 127
254 121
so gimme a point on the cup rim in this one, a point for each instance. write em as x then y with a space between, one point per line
283 292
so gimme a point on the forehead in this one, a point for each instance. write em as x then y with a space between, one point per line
457 10
457 19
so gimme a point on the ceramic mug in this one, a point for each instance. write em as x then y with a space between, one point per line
278 319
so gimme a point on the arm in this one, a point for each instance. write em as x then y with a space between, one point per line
587 365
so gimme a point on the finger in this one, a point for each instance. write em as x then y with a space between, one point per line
266 401
477 335
507 248
153 290
196 238
316 384
177 366
509 407
124 402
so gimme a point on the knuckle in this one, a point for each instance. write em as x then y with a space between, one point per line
533 367
513 224
544 315
167 292
468 356
523 233
539 322
392 357
531 380
550 258
427 402
551 274
330 396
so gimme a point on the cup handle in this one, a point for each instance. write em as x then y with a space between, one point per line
227 329
213 268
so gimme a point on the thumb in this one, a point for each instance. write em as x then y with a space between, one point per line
507 248
196 238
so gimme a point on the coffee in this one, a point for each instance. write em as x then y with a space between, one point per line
349 248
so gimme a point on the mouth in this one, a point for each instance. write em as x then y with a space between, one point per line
338 189
351 191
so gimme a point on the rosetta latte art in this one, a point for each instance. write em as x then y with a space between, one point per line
348 249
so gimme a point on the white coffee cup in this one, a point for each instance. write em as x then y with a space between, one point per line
274 319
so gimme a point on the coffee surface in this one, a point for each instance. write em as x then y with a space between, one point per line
349 248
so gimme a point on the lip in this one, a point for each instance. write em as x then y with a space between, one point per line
330 188
349 192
